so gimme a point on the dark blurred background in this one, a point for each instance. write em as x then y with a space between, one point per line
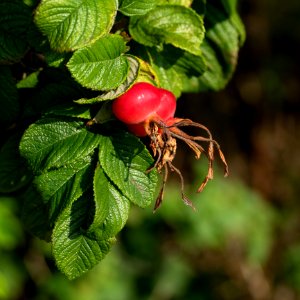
243 241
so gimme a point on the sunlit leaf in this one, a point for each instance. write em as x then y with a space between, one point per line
101 66
72 24
125 161
169 24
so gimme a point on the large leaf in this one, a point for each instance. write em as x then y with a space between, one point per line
134 66
136 7
13 172
111 207
75 252
125 161
72 24
169 24
60 187
9 101
52 143
172 64
224 37
101 66
15 19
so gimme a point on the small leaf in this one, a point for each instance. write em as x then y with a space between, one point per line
74 251
125 161
60 187
9 101
133 72
169 24
13 172
30 81
136 7
147 73
52 143
15 19
72 24
100 66
112 207
104 114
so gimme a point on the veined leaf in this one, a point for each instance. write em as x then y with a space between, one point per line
220 50
230 7
136 7
74 251
60 187
133 72
224 36
72 24
111 207
15 19
125 160
169 24
172 64
52 143
101 66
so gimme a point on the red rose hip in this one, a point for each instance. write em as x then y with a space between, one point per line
148 110
137 104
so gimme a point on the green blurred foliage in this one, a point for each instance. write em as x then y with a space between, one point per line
158 256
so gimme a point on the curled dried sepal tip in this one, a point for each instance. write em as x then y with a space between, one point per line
163 143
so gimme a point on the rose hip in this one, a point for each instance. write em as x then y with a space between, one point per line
149 111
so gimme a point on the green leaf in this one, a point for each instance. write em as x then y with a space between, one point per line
9 101
220 50
101 66
60 187
214 78
186 3
132 75
13 172
74 251
52 143
172 64
104 114
72 24
136 7
15 19
30 81
111 207
125 161
169 24
230 7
